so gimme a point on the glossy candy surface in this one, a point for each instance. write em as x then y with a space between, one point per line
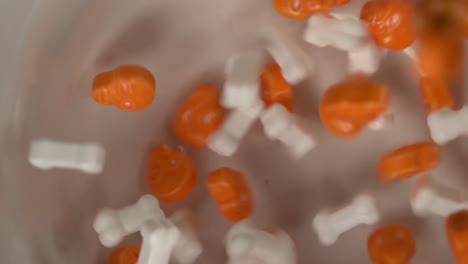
172 174
391 244
408 161
127 87
231 193
275 89
124 255
199 116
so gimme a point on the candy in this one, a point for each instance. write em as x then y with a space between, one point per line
231 192
349 106
390 22
391 244
159 239
128 87
275 89
172 174
199 116
113 225
408 161
246 243
47 154
124 255
457 233
446 124
329 226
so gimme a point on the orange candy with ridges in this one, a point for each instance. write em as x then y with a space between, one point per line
124 255
457 234
172 174
391 244
128 87
349 106
436 94
275 89
231 192
390 22
301 9
199 116
439 54
408 161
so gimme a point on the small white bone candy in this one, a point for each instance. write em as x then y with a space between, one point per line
47 154
275 120
188 248
299 139
365 58
159 239
245 243
241 88
236 125
292 132
431 198
294 62
343 32
446 124
382 122
329 226
113 225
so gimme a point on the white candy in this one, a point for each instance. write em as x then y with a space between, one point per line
342 32
241 88
188 248
365 58
294 62
446 124
246 244
281 125
329 226
236 125
430 198
159 239
113 225
47 154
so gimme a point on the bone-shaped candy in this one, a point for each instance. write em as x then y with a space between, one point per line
431 198
294 62
47 154
446 124
188 248
343 32
329 226
241 88
236 125
159 239
295 135
113 225
365 58
247 244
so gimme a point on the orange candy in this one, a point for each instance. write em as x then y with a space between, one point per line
457 234
408 161
172 174
439 54
275 89
391 244
199 116
436 94
128 87
301 9
232 194
342 2
349 106
124 255
390 22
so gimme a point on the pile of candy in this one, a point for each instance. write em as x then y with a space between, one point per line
259 87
